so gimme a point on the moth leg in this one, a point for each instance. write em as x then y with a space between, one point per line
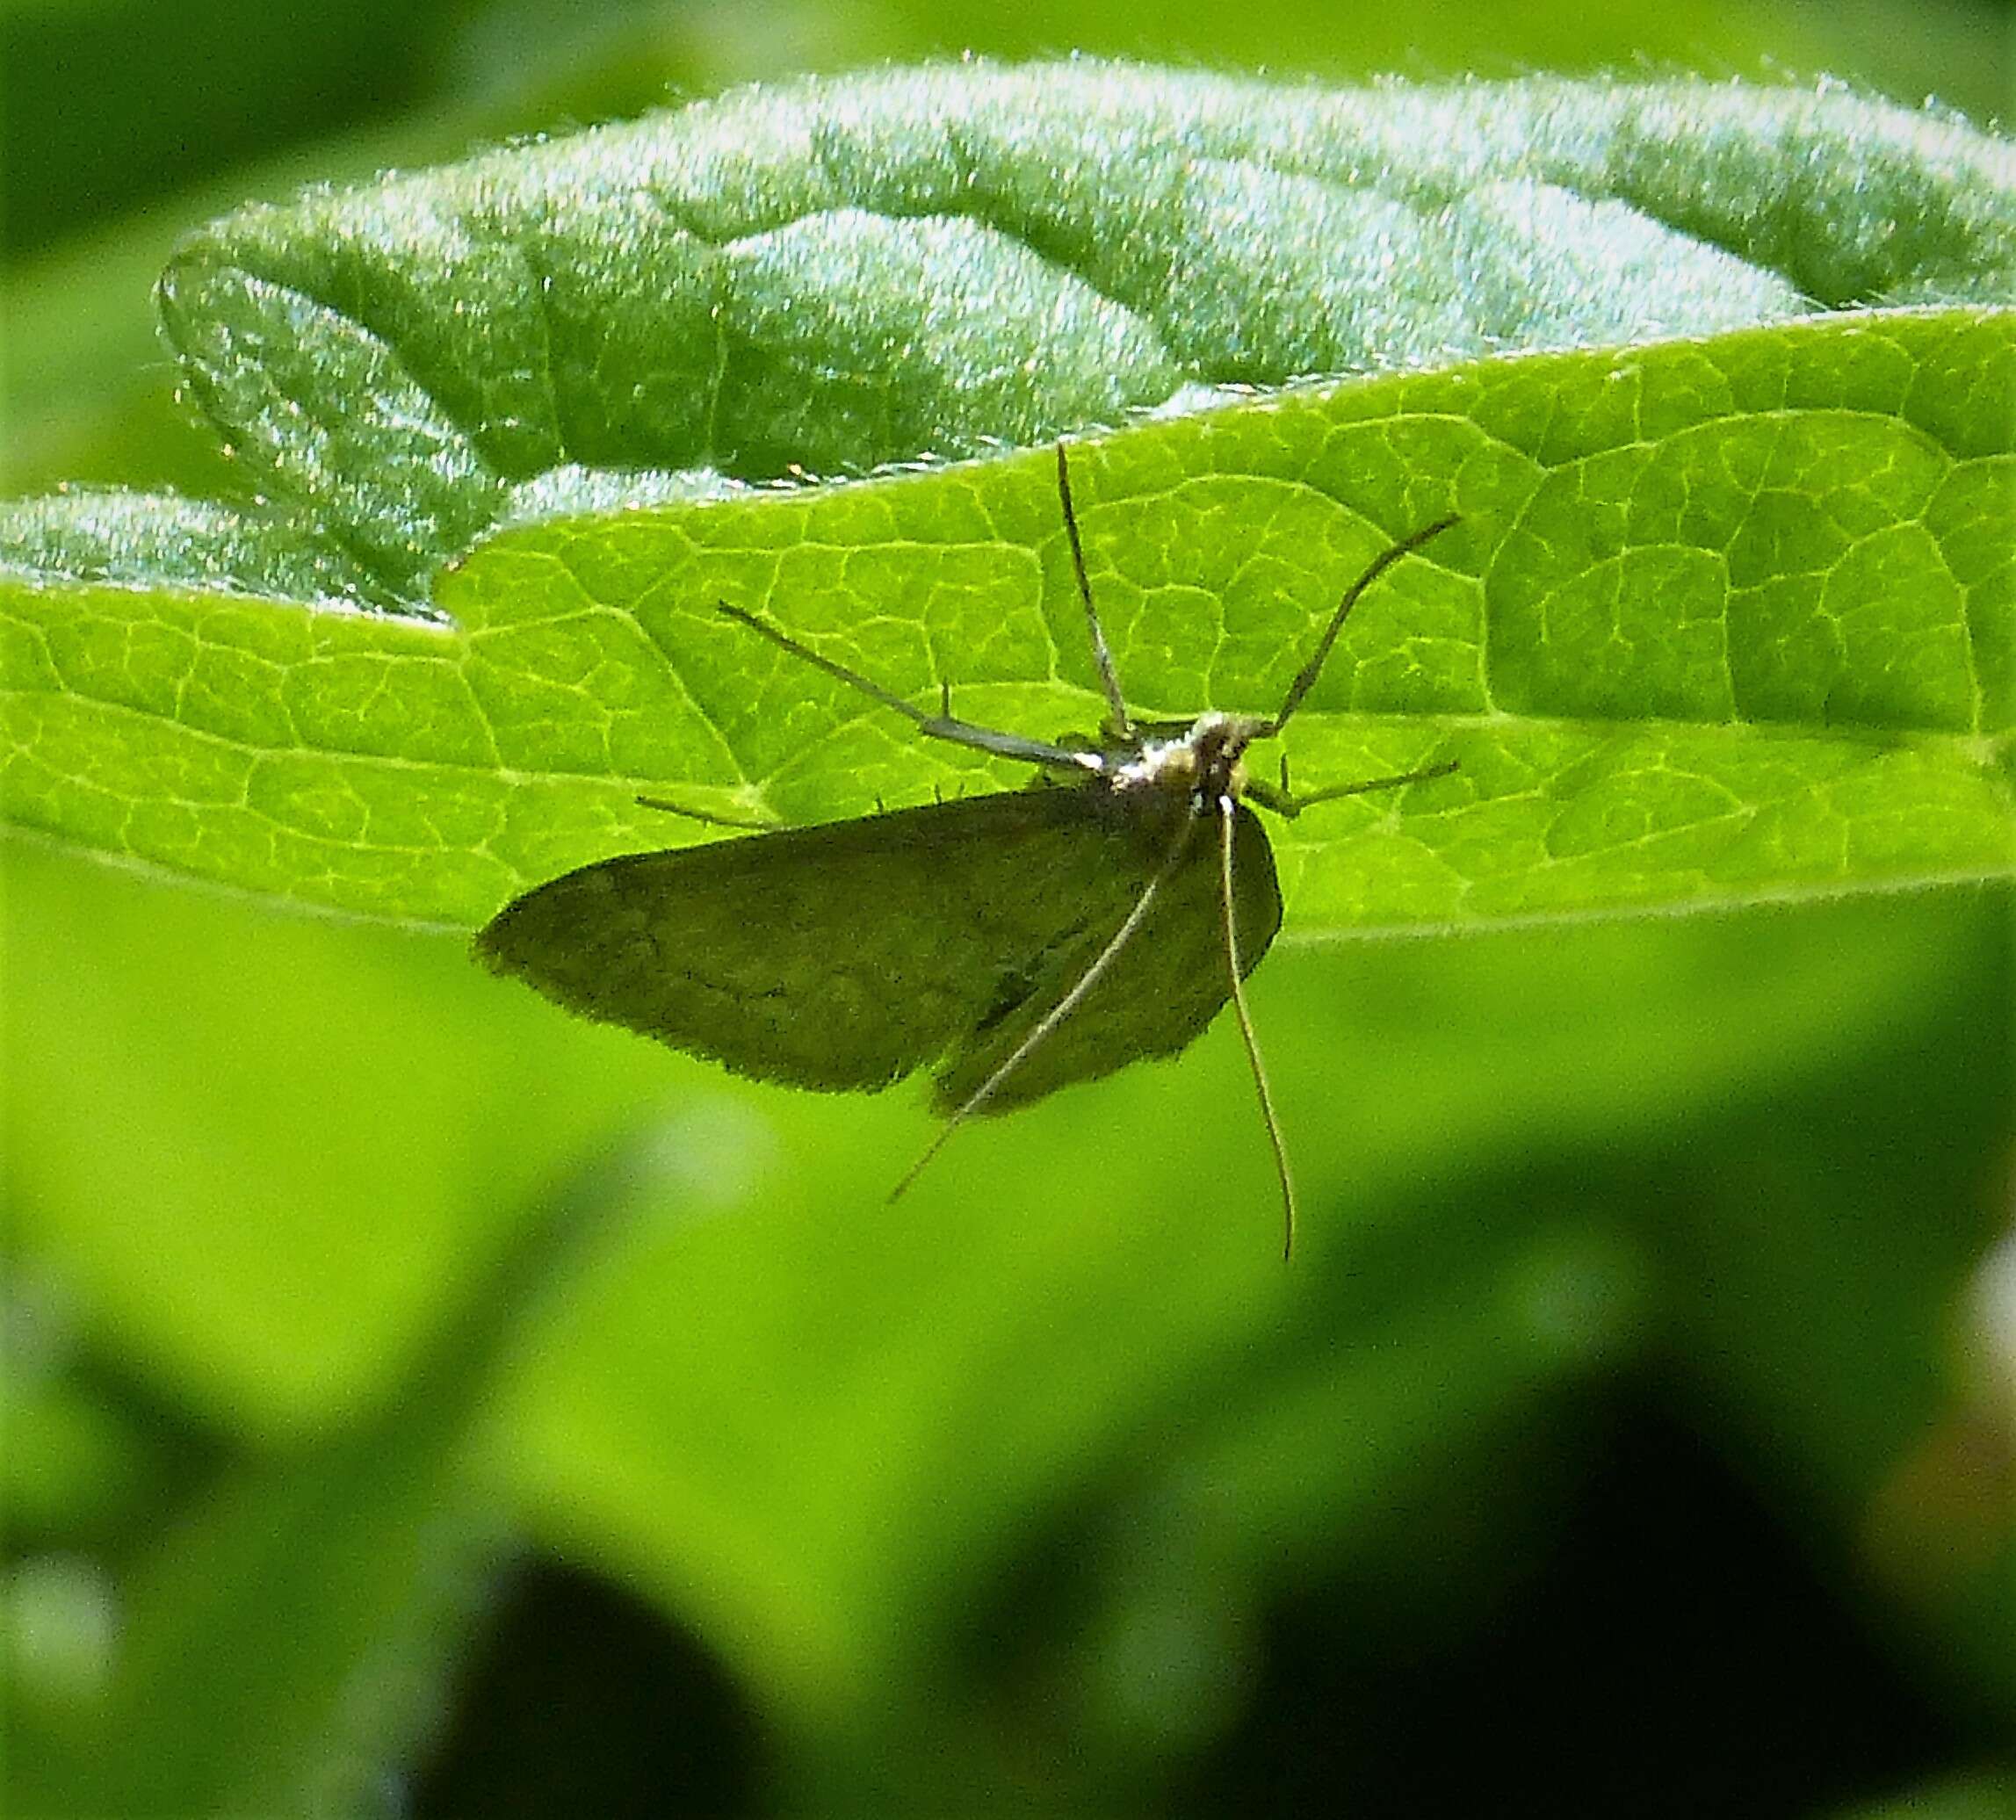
938 726
763 821
1284 803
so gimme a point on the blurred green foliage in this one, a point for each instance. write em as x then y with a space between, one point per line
337 1272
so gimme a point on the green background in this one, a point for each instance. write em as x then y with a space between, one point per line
408 1389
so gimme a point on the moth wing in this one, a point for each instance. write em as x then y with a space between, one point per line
1161 991
843 956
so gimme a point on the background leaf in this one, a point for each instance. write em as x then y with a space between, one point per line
1631 1414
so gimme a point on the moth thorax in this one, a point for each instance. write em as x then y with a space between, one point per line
1200 765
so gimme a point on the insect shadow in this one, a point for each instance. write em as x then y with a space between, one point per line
1016 942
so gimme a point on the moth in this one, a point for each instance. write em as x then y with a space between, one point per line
1014 942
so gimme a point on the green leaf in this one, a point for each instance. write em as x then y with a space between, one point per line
246 1685
1728 616
832 275
1724 619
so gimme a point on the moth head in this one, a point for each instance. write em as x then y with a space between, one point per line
1219 743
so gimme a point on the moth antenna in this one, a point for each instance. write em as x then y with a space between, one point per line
1305 677
1059 1012
1248 1032
1101 657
